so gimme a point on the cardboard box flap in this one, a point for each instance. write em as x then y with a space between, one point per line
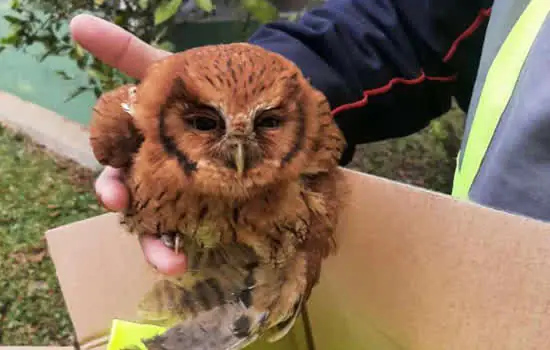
420 270
101 271
415 270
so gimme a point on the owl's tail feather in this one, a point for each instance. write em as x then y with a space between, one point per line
227 327
193 293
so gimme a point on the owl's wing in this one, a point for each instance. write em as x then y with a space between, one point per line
329 141
114 137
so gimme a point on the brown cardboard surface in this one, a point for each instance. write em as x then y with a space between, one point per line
101 271
418 270
415 270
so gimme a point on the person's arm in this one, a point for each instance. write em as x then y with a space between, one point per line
401 53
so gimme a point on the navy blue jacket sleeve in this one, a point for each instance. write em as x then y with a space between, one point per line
388 67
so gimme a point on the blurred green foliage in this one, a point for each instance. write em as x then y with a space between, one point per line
45 23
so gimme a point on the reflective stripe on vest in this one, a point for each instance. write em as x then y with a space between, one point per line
497 90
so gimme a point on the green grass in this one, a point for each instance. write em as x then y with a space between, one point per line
37 192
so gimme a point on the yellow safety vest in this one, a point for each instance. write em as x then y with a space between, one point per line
496 92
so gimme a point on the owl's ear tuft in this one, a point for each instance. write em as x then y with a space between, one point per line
113 135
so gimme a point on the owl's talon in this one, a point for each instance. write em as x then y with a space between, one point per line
171 240
285 325
177 244
168 240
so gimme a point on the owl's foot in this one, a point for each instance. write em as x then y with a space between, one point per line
113 135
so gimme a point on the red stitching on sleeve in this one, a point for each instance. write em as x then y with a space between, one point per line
482 15
386 88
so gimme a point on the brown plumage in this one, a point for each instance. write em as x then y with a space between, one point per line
230 156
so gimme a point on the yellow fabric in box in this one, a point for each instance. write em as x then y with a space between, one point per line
126 334
129 335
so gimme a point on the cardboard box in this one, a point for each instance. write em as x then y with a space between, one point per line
415 270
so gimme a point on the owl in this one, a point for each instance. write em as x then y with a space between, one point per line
230 156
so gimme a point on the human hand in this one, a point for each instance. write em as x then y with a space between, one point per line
132 56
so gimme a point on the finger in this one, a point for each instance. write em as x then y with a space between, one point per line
164 259
110 189
113 45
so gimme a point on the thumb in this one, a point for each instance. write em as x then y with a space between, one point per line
114 46
164 259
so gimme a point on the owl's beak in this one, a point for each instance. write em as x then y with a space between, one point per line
238 158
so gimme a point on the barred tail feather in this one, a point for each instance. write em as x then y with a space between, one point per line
230 326
178 298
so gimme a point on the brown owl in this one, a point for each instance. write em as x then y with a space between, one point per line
230 156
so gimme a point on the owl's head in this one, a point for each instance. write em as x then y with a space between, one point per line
223 120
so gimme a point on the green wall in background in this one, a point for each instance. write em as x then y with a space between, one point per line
187 35
21 74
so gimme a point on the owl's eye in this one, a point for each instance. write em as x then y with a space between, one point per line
203 123
270 122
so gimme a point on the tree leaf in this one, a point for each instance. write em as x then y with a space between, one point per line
166 46
261 10
97 91
79 50
97 74
10 40
63 75
165 10
143 4
45 55
76 92
14 4
205 5
160 34
13 19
